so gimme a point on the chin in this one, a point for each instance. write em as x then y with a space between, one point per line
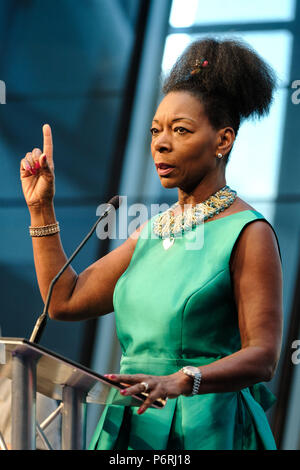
168 183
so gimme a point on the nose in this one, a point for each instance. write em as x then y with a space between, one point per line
162 143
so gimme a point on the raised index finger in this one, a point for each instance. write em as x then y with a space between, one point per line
48 144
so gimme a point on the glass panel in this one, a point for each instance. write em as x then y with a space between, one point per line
174 46
193 12
273 46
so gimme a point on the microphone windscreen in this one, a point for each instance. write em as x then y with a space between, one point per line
115 202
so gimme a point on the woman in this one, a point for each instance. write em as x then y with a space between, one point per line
199 326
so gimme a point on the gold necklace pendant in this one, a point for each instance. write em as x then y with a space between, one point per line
168 242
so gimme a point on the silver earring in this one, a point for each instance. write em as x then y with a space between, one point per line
220 155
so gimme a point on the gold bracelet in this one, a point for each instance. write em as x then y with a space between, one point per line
44 230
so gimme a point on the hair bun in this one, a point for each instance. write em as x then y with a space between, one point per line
234 84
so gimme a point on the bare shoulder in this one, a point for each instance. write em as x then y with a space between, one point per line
257 235
256 244
136 234
126 249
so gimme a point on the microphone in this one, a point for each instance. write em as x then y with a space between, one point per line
113 203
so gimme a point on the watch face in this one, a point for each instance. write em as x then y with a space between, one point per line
191 370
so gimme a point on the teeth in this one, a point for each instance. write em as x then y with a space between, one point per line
163 166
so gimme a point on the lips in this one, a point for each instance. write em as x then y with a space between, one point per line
164 168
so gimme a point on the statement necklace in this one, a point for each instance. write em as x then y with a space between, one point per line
168 226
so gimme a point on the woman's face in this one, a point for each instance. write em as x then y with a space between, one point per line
184 144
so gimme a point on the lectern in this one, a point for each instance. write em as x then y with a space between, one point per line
33 368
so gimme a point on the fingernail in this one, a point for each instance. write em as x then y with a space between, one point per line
123 392
110 376
28 167
37 165
44 158
33 171
140 411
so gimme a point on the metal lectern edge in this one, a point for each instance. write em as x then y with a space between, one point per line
37 350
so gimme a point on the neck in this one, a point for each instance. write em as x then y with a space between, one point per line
209 185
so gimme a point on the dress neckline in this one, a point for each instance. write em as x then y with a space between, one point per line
235 213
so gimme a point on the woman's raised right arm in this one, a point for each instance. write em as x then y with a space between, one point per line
75 297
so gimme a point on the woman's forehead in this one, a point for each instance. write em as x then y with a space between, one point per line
179 104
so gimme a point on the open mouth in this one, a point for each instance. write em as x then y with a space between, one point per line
164 169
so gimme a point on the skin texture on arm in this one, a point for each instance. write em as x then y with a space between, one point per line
93 290
80 296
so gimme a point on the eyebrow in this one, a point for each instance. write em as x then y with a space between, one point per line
178 119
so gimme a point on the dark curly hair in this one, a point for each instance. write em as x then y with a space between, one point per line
235 84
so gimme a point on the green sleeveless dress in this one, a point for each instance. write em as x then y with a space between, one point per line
173 308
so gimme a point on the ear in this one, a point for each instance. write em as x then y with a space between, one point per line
226 138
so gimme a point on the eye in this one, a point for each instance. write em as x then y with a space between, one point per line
154 131
181 130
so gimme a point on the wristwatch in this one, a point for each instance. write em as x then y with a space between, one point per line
195 373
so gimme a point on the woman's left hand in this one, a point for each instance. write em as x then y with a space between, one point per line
159 386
